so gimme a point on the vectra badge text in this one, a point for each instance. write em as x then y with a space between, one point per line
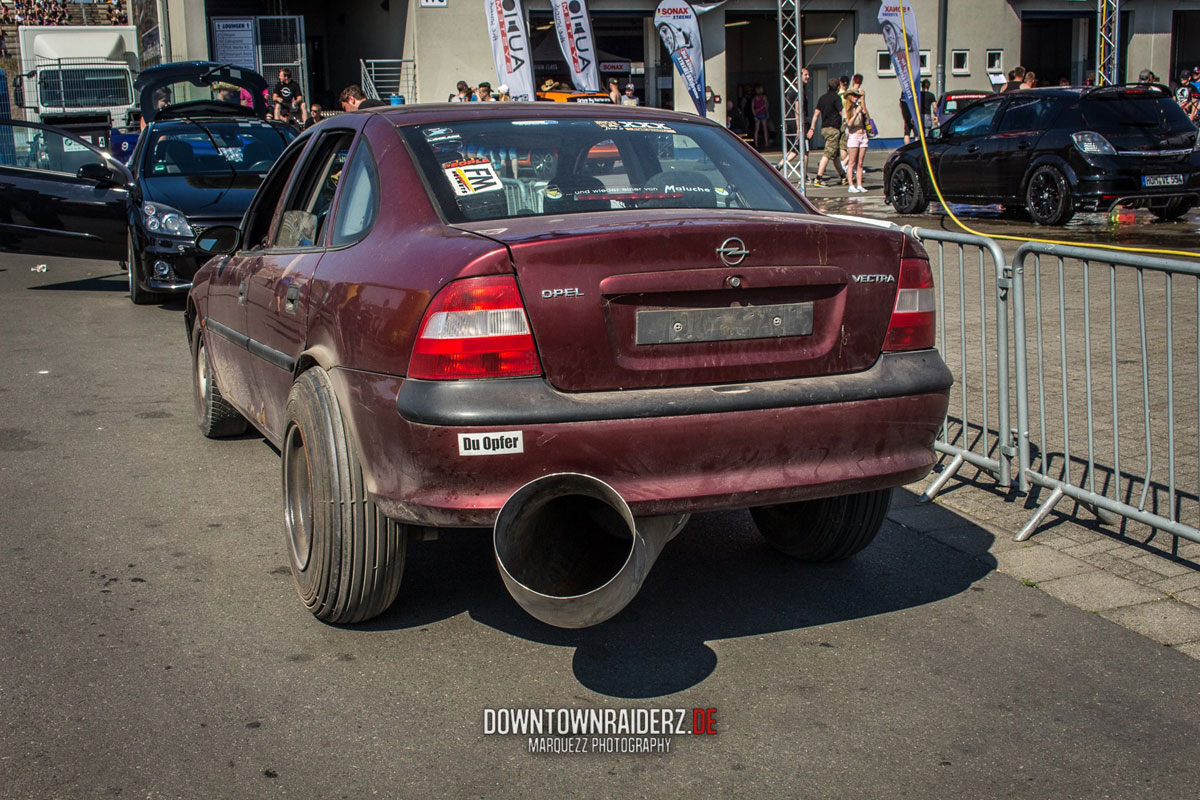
874 279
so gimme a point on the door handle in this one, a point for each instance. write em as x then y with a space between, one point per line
293 294
974 148
1023 145
242 293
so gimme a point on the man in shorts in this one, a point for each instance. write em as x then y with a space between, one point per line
829 113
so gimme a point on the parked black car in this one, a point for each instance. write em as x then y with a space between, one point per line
201 157
1056 151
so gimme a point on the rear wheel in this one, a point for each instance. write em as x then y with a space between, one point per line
347 558
1048 196
905 189
215 416
829 529
1172 211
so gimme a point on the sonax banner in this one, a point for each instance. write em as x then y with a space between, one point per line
679 29
510 47
907 72
573 25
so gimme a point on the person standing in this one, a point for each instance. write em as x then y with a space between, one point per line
829 113
629 98
614 91
858 121
315 115
1014 82
928 102
1029 81
353 98
287 96
761 109
910 129
484 93
462 93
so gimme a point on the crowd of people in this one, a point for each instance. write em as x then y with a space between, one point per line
54 12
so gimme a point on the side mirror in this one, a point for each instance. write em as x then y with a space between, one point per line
219 240
935 134
100 173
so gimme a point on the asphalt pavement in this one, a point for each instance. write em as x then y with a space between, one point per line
153 645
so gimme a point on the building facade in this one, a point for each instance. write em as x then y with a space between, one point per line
447 41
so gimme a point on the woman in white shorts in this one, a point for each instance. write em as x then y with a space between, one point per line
857 138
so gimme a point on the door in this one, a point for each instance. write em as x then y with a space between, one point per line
1008 153
59 196
277 296
225 291
959 169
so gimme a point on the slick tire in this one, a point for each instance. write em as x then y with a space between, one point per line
829 529
215 416
904 187
346 557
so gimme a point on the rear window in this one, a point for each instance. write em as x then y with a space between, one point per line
1137 112
494 169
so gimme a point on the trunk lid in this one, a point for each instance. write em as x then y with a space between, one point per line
618 303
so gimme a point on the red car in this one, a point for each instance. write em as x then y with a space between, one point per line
434 337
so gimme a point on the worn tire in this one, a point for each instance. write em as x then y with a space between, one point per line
904 187
215 416
830 529
1048 196
137 294
346 557
1172 211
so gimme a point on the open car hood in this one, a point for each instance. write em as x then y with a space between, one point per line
202 74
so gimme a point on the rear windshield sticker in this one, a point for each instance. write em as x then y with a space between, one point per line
472 176
491 444
535 122
635 126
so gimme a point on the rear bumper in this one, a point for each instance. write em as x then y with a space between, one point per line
664 450
1113 181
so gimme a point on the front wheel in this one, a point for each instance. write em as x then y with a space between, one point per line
214 414
346 557
137 294
904 186
829 529
1048 196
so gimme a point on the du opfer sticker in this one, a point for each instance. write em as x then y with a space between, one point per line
472 176
491 444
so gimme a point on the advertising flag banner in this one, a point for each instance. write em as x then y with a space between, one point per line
676 23
510 47
574 27
909 74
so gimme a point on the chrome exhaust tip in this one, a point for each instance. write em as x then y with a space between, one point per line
570 551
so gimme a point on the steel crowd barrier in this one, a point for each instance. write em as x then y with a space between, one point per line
1115 382
973 286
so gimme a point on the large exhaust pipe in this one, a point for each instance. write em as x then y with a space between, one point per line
570 551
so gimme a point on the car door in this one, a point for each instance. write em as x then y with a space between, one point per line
1008 153
959 170
226 288
59 196
277 294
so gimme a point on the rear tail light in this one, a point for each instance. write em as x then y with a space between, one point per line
914 316
1093 144
475 328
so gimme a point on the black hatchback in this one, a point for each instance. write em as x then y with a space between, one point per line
1056 151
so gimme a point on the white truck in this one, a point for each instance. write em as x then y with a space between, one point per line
78 77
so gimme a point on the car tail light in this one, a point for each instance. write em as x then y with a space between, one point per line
1093 144
475 328
914 317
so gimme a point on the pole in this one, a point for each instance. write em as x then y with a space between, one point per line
943 24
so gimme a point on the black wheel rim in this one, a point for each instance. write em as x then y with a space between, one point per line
1045 195
903 188
297 501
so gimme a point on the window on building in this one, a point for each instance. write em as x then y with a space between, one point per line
995 61
925 69
959 62
883 63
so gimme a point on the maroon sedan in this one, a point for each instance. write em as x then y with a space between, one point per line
434 335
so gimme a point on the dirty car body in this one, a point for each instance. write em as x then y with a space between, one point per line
682 334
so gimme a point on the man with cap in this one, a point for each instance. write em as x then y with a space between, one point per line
614 90
484 93
629 98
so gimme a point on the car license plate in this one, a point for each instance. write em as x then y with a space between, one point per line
679 325
1162 180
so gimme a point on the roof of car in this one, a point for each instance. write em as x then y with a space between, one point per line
424 113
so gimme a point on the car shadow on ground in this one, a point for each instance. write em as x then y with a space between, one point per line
108 282
716 580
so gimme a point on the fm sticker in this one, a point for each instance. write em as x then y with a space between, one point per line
473 176
491 444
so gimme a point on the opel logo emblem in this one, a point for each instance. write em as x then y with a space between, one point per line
732 251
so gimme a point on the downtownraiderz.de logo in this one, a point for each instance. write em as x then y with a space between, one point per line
599 730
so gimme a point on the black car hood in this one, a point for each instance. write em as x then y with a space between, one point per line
220 196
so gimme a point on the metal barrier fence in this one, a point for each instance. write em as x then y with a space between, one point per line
973 286
1114 384
383 77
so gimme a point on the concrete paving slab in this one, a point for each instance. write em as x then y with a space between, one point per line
1190 596
1191 648
1163 566
1097 591
1179 584
1167 621
1036 563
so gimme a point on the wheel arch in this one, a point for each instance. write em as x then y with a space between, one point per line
1054 160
